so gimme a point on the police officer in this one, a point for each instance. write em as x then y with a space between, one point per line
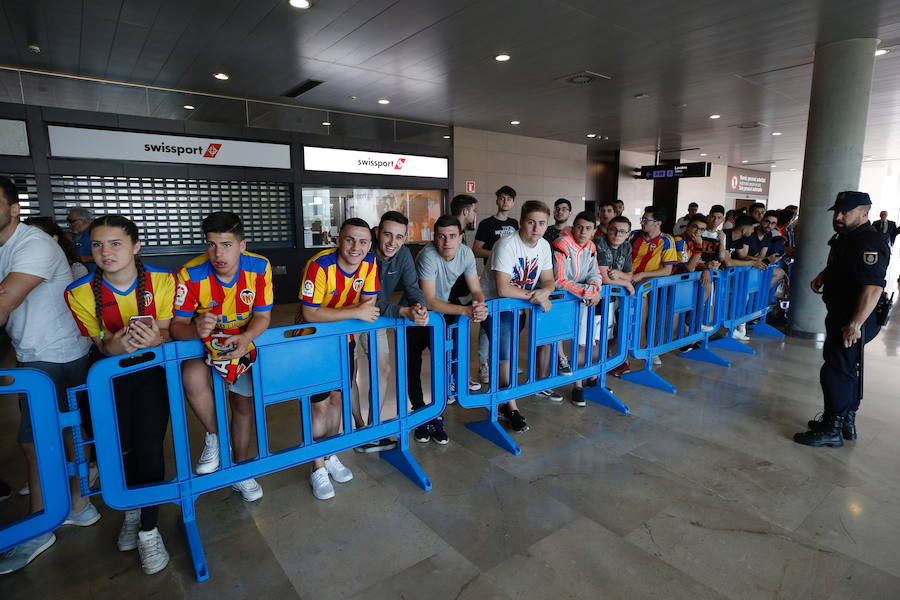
851 285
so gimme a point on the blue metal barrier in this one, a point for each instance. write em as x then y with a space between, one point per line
288 367
748 297
678 313
561 324
47 425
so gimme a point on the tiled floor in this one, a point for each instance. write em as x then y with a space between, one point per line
696 495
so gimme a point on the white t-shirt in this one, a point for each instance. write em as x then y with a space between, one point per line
522 263
41 328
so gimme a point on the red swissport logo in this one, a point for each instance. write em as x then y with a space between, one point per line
399 164
212 151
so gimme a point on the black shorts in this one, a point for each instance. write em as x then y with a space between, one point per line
321 396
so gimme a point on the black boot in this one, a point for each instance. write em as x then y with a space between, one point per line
828 433
848 430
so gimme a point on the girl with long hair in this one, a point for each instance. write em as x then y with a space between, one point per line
103 305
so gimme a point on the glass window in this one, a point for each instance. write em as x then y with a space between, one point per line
325 208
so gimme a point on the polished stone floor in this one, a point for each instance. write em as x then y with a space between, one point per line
696 495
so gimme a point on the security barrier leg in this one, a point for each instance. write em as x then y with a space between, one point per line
492 431
402 460
600 394
647 376
729 343
763 328
192 534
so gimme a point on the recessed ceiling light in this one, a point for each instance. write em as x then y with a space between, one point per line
189 107
715 116
515 122
326 123
793 169
776 133
773 166
221 76
745 161
592 135
703 154
605 137
300 3
881 51
446 137
502 57
384 101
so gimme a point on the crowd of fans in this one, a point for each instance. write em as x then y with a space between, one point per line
68 300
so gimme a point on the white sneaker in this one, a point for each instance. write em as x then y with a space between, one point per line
250 490
321 484
474 386
18 557
740 333
128 535
337 470
209 458
657 361
86 517
154 557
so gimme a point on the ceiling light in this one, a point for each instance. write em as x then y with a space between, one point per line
605 137
502 57
881 51
189 107
793 169
773 166
776 133
745 161
446 137
515 122
715 116
221 76
592 135
326 123
300 3
703 154
384 101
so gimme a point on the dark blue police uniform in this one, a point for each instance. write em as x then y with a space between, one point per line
857 258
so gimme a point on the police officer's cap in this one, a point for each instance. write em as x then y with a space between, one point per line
849 200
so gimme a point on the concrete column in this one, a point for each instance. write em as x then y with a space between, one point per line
836 130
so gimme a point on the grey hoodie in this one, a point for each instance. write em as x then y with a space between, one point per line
399 269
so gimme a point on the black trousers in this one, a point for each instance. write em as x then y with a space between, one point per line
142 410
839 376
417 340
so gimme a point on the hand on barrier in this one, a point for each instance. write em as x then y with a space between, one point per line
593 301
816 284
759 264
205 324
416 313
713 264
367 311
240 345
141 335
541 297
478 311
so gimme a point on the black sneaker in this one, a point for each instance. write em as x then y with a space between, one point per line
517 422
379 446
578 397
423 433
438 435
5 490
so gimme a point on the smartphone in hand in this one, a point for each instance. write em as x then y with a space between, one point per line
145 319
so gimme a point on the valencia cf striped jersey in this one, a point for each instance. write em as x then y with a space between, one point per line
325 284
200 290
117 306
650 255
